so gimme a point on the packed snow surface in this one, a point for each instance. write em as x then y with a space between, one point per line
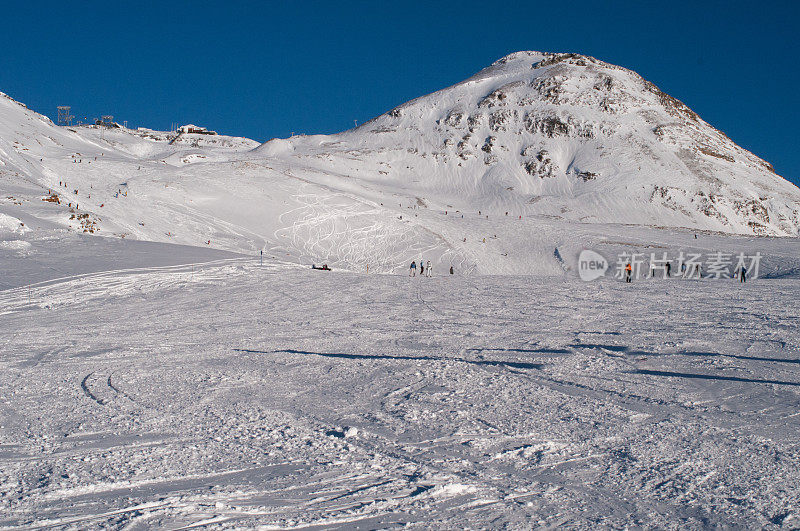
227 394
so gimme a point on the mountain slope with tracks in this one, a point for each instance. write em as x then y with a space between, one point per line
537 155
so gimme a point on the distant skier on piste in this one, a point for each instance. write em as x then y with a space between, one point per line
428 268
628 272
412 270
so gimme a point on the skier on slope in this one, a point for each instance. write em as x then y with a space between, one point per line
421 268
743 274
628 272
428 268
412 271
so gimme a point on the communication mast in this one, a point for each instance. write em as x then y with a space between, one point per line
64 117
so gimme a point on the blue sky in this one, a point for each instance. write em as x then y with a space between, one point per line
262 69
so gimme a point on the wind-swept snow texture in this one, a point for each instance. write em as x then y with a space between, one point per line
229 395
532 146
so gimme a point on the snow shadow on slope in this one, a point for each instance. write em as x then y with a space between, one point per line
496 363
670 374
622 349
523 350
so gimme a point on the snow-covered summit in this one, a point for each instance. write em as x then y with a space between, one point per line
570 136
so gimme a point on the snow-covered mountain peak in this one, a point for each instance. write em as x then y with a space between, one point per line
566 135
528 152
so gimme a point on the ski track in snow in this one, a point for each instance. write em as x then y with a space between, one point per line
344 232
226 394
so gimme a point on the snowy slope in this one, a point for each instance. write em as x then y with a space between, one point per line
562 135
538 152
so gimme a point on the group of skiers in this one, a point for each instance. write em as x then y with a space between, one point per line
423 272
425 269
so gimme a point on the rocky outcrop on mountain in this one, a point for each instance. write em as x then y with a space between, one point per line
574 137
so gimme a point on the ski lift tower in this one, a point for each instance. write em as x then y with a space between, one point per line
64 117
